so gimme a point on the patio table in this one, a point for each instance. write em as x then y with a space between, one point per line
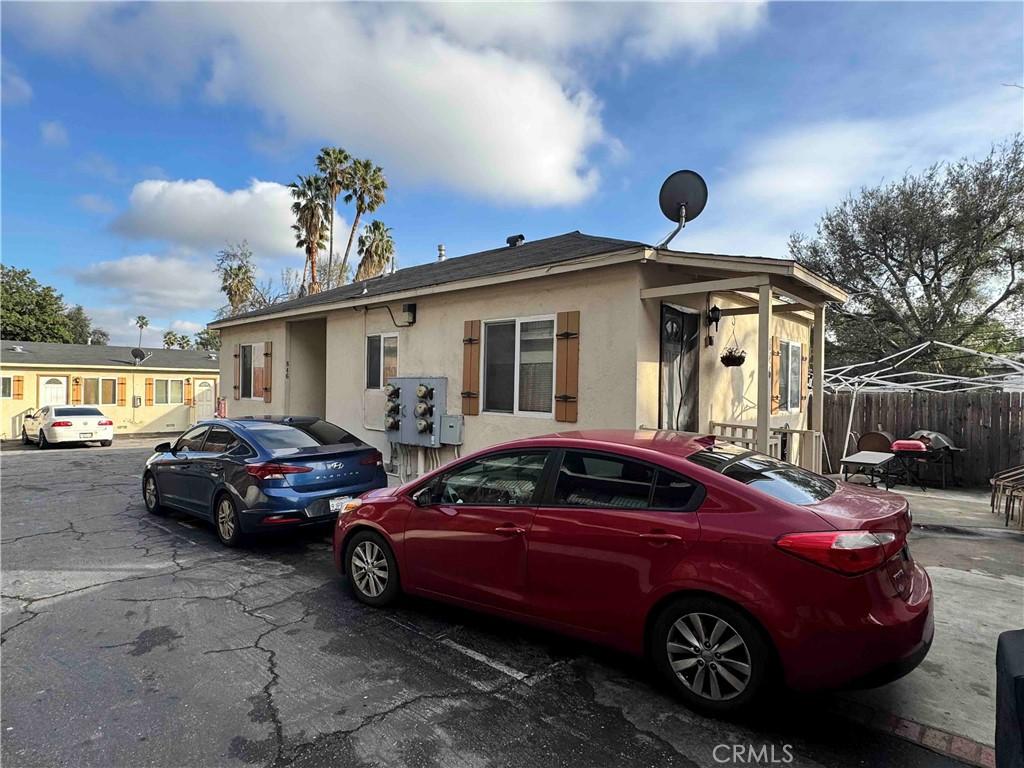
869 463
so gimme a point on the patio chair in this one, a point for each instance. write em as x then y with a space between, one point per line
1008 495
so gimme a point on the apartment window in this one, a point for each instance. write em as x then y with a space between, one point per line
5 386
168 391
519 366
381 359
98 391
789 376
251 369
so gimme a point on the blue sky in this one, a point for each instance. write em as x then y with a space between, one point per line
139 139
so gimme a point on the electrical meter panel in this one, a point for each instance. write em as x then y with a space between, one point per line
414 409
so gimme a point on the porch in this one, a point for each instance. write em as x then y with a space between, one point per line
774 310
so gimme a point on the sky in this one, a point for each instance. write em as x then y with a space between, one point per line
138 140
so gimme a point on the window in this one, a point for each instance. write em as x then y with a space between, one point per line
168 391
789 376
775 477
192 440
282 438
595 480
519 366
6 387
381 359
250 368
76 412
220 440
509 479
97 391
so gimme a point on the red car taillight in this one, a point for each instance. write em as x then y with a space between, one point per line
105 423
848 552
61 424
374 459
271 471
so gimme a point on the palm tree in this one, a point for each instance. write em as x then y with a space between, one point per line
365 185
333 164
237 276
376 249
309 207
142 322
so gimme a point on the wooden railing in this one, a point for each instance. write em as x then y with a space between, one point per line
801 446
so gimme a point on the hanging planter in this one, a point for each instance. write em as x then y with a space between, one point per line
732 357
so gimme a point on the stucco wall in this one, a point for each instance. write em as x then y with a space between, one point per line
273 331
307 358
127 420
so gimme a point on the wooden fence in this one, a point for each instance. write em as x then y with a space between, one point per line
989 425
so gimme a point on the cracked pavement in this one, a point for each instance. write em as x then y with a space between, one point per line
129 640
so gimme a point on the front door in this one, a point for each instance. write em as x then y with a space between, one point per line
680 358
54 391
205 403
468 540
613 531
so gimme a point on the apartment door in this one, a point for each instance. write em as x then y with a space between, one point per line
205 401
53 391
680 371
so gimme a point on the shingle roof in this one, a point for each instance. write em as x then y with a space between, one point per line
536 253
39 353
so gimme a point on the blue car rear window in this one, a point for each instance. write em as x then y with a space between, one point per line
276 436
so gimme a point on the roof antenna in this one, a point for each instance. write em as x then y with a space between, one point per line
682 198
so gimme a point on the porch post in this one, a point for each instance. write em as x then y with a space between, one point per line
764 365
818 383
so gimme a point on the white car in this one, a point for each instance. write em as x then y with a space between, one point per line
67 424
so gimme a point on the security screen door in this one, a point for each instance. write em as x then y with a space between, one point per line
680 345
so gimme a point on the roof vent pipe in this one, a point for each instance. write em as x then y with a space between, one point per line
514 240
441 256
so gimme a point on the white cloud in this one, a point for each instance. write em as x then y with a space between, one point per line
94 204
155 286
100 166
200 215
483 100
53 133
14 89
785 181
186 326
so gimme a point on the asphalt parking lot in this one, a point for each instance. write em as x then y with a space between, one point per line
130 640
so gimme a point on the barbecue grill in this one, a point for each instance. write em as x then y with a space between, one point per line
925 451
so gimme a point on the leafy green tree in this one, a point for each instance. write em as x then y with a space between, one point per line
333 164
937 255
310 209
366 187
376 249
31 311
207 339
81 325
98 337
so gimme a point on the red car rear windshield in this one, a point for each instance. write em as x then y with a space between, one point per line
777 478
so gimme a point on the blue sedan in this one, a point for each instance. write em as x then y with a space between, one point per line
260 474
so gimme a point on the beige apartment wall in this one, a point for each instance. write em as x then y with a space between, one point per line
127 420
307 368
274 331
605 298
726 394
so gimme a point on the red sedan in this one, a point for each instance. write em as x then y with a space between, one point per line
726 567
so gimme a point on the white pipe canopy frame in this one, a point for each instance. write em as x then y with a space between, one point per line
884 375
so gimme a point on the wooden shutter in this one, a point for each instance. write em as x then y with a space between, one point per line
567 366
76 390
238 372
18 387
471 368
188 392
122 390
776 367
268 366
804 362
149 391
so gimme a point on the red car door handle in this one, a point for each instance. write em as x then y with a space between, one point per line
509 530
660 536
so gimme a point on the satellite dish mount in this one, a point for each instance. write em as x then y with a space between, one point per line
682 198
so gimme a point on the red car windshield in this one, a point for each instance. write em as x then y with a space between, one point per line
780 480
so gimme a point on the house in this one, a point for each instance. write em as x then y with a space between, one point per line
568 332
164 392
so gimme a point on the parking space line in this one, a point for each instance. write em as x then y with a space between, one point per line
165 529
515 674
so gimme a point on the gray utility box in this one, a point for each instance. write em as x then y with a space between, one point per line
415 410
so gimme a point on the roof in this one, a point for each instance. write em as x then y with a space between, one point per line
96 355
535 253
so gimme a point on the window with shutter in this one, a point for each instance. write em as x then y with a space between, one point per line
471 368
775 374
519 365
568 369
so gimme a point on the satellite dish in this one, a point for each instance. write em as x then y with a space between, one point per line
140 355
682 198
